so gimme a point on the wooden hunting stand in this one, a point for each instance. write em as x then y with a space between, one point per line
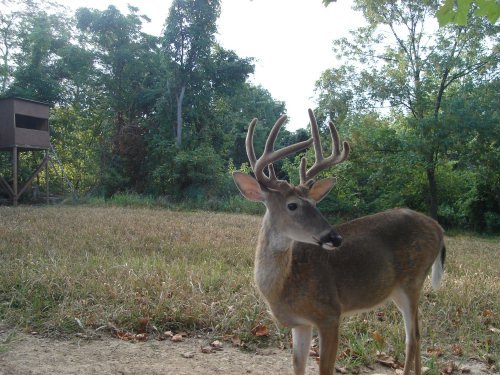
24 126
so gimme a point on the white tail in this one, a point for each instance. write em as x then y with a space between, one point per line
438 269
312 274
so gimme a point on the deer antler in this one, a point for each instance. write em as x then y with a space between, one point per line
269 156
321 162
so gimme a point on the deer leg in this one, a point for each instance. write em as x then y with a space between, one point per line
301 345
328 344
407 303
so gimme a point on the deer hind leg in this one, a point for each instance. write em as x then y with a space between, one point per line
407 303
301 337
328 344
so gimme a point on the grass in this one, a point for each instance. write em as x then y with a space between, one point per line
69 269
233 203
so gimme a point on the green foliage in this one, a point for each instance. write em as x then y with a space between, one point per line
198 173
457 11
41 43
432 84
117 109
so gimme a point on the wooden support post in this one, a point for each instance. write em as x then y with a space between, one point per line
37 170
47 175
14 175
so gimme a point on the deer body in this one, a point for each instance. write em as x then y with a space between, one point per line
311 274
286 277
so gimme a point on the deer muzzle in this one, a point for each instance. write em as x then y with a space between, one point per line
330 239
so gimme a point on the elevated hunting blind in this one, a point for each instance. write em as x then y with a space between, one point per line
24 126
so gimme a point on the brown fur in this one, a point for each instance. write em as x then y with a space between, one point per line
308 282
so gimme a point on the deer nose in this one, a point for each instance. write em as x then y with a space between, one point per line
331 238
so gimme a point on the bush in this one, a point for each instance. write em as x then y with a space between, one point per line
492 221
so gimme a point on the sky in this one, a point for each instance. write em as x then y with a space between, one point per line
291 41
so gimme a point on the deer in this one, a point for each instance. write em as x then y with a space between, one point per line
312 274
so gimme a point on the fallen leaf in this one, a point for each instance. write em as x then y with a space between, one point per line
207 349
236 341
457 350
438 352
450 367
217 345
341 370
177 338
493 329
387 360
165 335
143 321
188 354
260 330
488 313
141 337
378 337
487 316
465 370
125 336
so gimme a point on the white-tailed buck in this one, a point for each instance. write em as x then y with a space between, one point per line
313 274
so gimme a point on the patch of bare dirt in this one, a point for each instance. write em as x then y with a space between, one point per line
33 355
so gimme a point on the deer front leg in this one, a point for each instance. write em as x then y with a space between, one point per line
301 345
328 344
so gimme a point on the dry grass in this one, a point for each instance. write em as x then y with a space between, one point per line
193 270
114 264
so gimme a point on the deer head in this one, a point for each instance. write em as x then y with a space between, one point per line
291 210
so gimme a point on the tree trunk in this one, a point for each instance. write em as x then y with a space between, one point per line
433 198
178 130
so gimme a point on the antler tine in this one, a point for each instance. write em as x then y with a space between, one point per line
321 162
249 143
269 156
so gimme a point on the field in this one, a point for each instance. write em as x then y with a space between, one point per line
81 269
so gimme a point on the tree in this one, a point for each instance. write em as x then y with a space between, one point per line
396 63
457 11
187 44
41 39
124 80
8 23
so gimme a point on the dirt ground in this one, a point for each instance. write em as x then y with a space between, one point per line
22 354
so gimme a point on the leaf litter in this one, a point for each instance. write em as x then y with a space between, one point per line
127 353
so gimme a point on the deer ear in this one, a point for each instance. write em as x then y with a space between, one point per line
321 188
249 187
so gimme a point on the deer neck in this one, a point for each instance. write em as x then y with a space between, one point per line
272 260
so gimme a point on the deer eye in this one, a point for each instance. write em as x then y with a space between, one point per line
292 206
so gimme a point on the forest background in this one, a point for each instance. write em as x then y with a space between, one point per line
165 117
